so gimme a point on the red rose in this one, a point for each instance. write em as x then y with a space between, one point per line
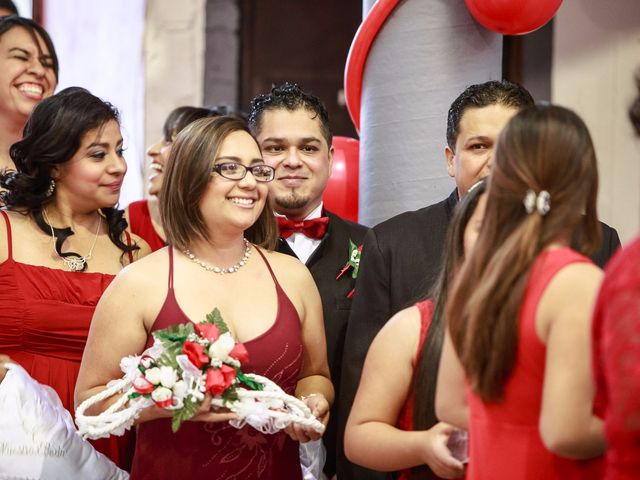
195 353
239 353
219 379
208 331
142 386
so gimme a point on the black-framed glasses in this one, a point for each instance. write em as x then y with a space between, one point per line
237 171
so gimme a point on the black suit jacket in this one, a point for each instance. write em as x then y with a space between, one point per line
324 264
401 259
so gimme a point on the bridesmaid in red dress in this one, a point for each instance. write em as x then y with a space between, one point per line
143 216
392 425
221 234
516 363
616 354
61 239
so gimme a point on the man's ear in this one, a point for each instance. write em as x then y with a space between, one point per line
331 150
450 156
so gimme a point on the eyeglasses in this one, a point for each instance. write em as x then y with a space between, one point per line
237 171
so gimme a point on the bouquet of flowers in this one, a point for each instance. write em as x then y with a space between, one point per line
185 362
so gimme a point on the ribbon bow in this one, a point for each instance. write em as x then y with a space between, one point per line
314 228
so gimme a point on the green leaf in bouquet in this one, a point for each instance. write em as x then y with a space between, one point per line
168 357
230 395
189 409
175 333
252 384
215 318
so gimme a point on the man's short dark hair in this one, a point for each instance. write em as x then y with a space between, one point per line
634 109
494 92
288 96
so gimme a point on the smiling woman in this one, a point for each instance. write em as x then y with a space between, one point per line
221 232
28 74
143 216
65 238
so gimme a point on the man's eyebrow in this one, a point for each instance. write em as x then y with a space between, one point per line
282 139
310 139
484 138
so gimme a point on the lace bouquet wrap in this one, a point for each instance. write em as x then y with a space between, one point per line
185 362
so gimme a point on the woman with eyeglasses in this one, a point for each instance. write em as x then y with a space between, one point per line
28 74
143 216
221 233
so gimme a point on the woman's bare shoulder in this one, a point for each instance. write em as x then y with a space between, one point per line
288 264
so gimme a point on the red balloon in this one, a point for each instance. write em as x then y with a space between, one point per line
341 194
513 17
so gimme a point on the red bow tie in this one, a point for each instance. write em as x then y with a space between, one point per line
314 228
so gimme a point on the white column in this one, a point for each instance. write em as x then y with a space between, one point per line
426 54
596 52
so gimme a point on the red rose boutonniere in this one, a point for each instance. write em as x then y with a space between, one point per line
353 264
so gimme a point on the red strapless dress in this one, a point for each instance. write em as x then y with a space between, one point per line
218 451
44 322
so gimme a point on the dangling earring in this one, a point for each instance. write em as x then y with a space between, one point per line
52 187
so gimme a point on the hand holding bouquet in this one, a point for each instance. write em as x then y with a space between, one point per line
186 362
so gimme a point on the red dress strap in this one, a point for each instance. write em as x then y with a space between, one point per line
268 266
129 253
9 238
426 311
170 280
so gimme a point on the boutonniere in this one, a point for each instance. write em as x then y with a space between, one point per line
353 263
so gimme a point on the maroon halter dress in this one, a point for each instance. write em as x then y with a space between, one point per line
218 451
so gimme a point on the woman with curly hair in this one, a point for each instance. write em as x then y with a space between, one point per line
62 238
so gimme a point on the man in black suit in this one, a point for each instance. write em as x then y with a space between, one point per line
292 129
401 257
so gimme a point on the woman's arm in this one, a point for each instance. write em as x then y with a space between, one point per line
371 437
567 424
118 329
3 370
451 400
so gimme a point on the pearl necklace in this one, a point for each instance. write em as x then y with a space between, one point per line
218 270
75 263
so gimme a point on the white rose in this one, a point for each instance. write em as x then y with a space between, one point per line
153 375
180 389
168 376
220 348
161 394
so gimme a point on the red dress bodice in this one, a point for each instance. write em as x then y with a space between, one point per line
504 438
218 451
45 315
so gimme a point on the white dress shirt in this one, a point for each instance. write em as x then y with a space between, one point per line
302 245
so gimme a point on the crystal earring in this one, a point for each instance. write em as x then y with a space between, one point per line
52 187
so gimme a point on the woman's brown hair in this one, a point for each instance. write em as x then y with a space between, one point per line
187 174
426 372
543 148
